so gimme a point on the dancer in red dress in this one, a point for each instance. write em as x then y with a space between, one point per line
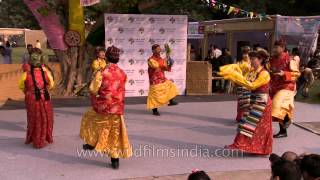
255 127
35 83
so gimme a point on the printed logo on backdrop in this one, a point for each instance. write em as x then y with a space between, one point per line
136 19
151 41
151 20
131 61
162 30
112 41
109 19
142 72
172 20
172 41
167 30
137 41
120 29
141 30
142 92
141 51
131 82
177 20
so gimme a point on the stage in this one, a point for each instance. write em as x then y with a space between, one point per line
194 128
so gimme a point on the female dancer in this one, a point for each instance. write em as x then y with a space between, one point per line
35 83
255 127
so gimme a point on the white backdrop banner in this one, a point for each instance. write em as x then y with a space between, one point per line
135 34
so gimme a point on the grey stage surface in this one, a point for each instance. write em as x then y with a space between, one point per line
190 127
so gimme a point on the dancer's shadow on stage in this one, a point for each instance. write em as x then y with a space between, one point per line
15 148
12 126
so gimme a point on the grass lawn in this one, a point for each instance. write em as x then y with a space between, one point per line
314 94
18 52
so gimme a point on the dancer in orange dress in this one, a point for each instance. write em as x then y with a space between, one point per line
255 127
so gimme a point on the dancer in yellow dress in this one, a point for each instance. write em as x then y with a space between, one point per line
161 91
102 127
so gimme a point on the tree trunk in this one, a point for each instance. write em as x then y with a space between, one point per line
72 70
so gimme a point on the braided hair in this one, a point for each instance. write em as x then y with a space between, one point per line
36 88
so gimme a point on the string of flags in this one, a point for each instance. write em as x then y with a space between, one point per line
235 10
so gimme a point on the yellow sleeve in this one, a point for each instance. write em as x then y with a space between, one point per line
96 82
153 63
50 77
245 67
229 69
22 80
263 78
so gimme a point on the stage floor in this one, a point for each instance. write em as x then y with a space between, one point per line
189 136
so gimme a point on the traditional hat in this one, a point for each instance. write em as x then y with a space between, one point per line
113 52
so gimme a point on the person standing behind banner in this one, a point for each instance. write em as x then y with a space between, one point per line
35 83
255 127
102 127
284 74
161 90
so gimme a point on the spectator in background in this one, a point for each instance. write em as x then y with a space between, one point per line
225 59
315 60
2 49
26 57
38 44
216 51
215 68
305 81
198 175
6 54
296 55
310 167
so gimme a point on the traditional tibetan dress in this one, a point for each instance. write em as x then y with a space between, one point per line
103 126
255 127
35 83
283 88
161 90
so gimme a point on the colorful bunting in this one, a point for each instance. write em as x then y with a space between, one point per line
235 10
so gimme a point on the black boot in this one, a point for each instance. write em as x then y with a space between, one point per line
115 163
155 112
87 147
282 133
172 103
